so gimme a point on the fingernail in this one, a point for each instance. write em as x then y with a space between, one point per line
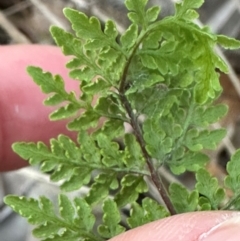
228 230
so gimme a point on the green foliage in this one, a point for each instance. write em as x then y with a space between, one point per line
204 116
232 181
73 222
138 15
160 78
182 200
196 141
149 211
111 219
73 164
209 188
131 187
55 84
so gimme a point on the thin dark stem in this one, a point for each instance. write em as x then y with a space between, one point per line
138 132
125 71
153 172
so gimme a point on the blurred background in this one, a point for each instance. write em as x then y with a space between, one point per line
28 22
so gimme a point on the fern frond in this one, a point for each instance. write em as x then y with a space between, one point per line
73 222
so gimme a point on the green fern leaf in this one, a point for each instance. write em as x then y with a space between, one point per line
109 107
90 29
112 128
100 188
152 14
131 187
132 153
32 152
227 42
55 99
85 73
182 199
75 221
185 5
66 210
232 181
64 112
128 39
47 81
69 44
99 86
86 219
152 41
196 141
204 204
137 14
190 161
110 30
204 116
88 119
148 212
110 151
111 219
85 28
208 187
80 177
64 159
55 84
46 230
157 144
88 148
137 216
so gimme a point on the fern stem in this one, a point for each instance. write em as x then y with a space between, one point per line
137 130
231 202
153 172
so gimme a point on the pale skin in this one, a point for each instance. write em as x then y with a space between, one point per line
24 118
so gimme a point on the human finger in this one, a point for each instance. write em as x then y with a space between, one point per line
197 226
22 114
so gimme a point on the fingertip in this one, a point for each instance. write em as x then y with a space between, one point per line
22 114
187 227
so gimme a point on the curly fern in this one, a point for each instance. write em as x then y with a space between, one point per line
159 77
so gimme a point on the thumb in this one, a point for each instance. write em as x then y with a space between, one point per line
198 226
22 114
